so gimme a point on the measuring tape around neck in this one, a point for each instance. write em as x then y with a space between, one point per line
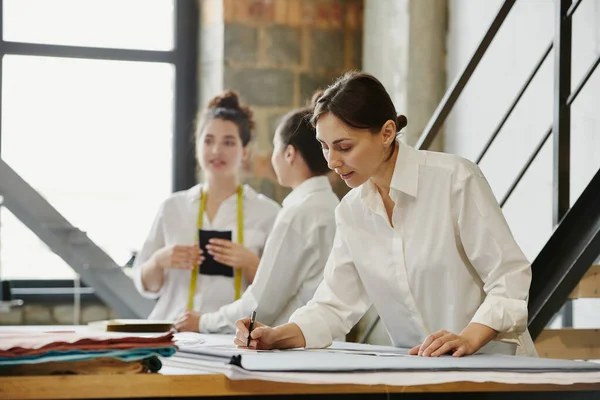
240 231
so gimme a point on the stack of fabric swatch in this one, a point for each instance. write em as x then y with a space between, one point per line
69 352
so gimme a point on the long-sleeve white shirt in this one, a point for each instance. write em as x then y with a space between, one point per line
448 258
176 223
292 263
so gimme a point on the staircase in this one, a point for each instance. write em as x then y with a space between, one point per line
570 343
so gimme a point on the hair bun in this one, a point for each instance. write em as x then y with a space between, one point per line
401 122
229 99
315 97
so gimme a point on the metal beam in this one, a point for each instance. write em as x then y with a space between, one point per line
573 8
537 149
523 170
584 80
186 87
452 94
565 258
562 112
94 266
514 103
95 53
561 172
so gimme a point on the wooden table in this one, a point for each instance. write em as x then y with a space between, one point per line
208 384
213 385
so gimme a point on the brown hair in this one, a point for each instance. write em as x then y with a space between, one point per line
360 101
227 107
296 129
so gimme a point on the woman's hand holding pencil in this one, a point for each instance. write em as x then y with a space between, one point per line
263 337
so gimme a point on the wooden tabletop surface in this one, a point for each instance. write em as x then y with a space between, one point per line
157 385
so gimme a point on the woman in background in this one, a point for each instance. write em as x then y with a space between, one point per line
291 267
165 269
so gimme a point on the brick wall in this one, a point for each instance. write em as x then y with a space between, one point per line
276 54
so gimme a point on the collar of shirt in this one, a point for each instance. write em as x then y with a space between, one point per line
311 185
193 194
404 179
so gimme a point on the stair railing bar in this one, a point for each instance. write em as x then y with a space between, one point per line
514 103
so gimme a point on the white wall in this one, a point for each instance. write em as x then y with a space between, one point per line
385 46
517 47
211 55
404 46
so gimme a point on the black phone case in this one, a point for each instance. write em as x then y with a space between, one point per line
210 266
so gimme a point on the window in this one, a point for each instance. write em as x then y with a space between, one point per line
124 24
93 128
94 138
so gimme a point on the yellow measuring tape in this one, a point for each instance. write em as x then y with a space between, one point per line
240 231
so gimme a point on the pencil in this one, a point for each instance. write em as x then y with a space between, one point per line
252 319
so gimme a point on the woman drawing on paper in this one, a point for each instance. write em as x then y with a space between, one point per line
297 249
421 237
166 261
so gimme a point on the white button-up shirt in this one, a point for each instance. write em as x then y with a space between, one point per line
447 260
291 267
176 223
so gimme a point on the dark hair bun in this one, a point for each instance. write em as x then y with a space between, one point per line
229 99
401 122
315 97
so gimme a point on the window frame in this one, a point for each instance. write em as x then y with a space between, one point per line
52 291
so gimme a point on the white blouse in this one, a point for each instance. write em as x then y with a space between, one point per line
449 259
291 267
176 223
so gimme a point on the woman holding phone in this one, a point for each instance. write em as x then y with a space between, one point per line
168 267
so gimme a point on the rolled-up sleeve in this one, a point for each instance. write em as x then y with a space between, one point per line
154 242
339 302
494 254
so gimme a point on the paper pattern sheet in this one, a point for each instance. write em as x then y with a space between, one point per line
185 366
352 357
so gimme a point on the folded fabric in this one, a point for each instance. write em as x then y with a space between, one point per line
85 367
20 344
21 352
78 355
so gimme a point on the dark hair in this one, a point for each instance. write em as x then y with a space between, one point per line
296 129
315 97
360 101
227 107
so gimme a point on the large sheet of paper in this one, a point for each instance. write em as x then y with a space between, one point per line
352 357
187 366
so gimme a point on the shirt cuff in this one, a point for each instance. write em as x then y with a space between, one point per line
314 328
139 285
208 322
502 315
